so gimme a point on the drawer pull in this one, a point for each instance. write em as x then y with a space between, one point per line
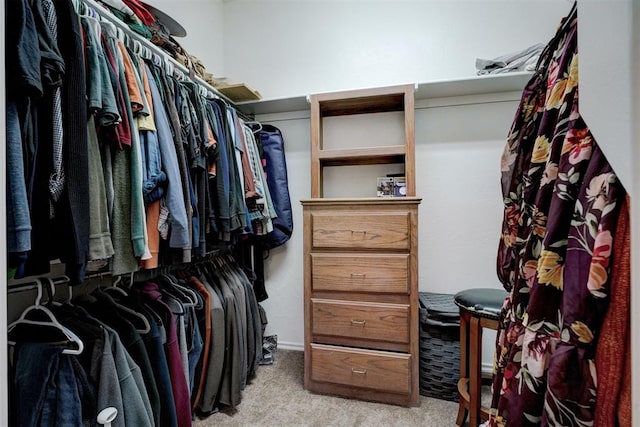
358 371
358 322
363 232
357 275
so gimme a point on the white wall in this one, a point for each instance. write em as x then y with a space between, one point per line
283 269
609 37
297 47
458 151
605 44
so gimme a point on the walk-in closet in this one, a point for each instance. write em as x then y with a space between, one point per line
320 213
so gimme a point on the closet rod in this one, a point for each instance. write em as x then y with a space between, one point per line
106 13
33 284
208 257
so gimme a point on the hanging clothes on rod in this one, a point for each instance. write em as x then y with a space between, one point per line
158 170
202 346
174 174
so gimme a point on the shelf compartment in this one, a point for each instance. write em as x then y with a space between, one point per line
362 156
363 103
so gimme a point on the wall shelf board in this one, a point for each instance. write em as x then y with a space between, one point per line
477 85
466 86
276 105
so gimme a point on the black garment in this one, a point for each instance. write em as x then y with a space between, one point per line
67 235
75 245
26 50
52 65
218 192
22 51
249 254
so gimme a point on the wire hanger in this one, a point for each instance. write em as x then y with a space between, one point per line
51 292
51 322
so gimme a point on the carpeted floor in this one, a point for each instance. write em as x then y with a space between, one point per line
275 397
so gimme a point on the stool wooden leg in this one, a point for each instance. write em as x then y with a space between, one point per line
464 370
475 377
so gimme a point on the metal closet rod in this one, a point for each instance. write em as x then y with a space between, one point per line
106 13
33 284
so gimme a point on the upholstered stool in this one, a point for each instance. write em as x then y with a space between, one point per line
479 309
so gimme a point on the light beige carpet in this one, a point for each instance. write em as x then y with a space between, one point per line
276 397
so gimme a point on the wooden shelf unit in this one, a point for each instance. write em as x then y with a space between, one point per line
357 102
361 258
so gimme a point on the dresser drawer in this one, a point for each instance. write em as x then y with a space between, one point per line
369 273
368 369
361 229
363 320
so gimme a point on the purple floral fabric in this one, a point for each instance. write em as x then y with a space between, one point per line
561 201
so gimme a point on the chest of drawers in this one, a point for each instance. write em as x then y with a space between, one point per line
361 298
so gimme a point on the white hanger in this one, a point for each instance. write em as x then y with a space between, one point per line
70 296
169 67
52 322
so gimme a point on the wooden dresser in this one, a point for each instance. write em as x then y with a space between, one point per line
361 251
361 298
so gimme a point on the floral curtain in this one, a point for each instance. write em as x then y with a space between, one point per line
561 202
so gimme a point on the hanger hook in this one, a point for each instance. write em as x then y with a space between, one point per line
117 281
39 296
52 287
70 297
51 290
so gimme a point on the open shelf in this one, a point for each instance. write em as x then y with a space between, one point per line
474 85
363 156
364 103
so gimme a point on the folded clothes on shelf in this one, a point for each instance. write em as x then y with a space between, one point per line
522 60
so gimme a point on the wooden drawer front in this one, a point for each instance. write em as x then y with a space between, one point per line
361 273
361 230
361 368
373 321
